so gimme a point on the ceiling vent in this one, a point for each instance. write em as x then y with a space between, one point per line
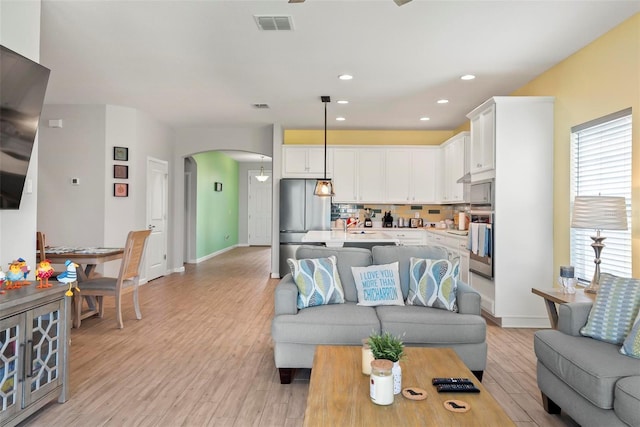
274 23
261 106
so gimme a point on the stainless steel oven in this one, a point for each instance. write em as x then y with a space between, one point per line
481 229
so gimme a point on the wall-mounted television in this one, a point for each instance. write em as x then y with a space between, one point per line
23 84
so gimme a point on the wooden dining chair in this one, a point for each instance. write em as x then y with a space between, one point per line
41 245
127 280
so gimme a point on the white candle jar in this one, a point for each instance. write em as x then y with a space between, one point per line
367 357
381 382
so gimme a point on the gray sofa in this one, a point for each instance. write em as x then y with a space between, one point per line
296 332
588 379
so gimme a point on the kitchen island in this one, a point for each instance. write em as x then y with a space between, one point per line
352 237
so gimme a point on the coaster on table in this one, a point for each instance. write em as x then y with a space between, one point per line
414 393
456 406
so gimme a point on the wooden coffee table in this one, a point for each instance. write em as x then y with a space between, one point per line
339 392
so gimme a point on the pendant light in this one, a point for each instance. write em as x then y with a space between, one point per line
262 177
324 187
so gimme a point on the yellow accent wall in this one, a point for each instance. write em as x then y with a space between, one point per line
465 127
367 137
602 78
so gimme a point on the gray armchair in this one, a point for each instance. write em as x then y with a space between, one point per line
587 379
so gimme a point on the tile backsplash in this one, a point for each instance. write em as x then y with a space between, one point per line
429 213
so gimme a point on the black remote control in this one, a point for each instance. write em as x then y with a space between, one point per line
437 381
457 388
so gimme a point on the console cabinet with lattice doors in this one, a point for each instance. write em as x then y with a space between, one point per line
34 337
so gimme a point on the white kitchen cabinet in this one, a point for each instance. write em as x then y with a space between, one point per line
34 336
371 175
301 161
412 175
453 152
345 181
359 175
522 131
425 163
483 133
463 253
408 236
398 180
366 174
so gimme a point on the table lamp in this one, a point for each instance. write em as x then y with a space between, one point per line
599 213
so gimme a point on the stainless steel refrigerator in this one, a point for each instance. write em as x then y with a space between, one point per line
300 211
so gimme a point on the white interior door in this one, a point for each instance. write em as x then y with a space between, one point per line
259 209
157 206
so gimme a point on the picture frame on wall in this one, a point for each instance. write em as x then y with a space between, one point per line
121 154
120 189
121 172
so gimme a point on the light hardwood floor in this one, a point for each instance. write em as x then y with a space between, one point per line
202 356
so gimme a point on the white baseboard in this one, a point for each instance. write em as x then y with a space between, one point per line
525 322
178 270
487 304
214 254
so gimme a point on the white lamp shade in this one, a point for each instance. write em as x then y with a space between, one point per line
599 213
262 177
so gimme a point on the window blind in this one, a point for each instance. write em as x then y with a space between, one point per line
601 165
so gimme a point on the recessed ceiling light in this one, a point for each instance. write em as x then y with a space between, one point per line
468 77
343 101
424 119
340 119
345 76
443 101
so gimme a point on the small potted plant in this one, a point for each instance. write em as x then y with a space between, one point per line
386 346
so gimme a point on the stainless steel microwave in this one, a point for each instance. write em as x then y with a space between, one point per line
481 194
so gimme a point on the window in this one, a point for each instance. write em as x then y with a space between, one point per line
601 165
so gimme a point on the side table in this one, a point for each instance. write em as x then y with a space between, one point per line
555 296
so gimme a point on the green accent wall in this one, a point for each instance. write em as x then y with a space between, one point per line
217 211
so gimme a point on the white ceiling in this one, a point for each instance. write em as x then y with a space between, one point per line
204 63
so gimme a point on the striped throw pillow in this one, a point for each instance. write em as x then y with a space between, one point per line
614 309
317 280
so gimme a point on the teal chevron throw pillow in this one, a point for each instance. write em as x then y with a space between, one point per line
614 309
631 344
378 284
433 283
317 280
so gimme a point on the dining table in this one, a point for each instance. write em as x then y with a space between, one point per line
88 260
